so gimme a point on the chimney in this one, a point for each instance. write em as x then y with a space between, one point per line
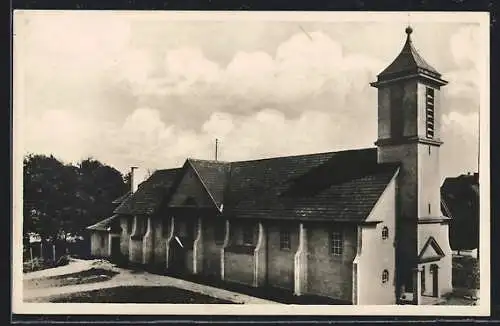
133 179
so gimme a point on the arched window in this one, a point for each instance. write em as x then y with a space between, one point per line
385 276
385 232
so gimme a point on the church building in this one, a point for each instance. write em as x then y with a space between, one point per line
361 226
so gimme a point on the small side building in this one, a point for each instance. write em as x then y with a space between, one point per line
101 237
105 233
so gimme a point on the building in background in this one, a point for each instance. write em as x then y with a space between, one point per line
460 202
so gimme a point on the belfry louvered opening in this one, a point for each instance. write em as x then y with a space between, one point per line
429 111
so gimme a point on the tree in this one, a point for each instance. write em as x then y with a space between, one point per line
47 187
61 199
98 186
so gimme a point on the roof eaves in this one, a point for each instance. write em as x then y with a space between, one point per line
102 225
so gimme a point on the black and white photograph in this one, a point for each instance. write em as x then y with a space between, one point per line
251 163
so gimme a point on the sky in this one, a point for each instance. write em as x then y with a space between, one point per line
150 91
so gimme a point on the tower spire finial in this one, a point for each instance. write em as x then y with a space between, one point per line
408 29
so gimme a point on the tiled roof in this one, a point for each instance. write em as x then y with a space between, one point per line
149 194
341 186
103 225
249 179
408 61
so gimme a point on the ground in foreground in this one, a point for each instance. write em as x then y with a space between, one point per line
135 294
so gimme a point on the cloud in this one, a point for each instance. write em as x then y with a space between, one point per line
144 140
133 105
465 46
82 42
468 124
464 81
303 68
58 132
459 153
461 112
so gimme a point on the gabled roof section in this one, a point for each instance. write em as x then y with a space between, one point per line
213 175
103 225
431 251
409 62
150 194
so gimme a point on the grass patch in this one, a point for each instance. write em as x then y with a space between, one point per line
92 275
38 264
137 294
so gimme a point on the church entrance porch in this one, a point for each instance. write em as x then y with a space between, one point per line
425 284
430 280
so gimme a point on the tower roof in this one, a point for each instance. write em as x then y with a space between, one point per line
409 62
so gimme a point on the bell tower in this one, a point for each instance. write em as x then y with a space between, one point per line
409 132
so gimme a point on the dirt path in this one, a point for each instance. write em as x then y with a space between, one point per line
75 266
126 278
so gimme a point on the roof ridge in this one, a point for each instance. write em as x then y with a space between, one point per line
309 154
203 160
417 56
165 170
